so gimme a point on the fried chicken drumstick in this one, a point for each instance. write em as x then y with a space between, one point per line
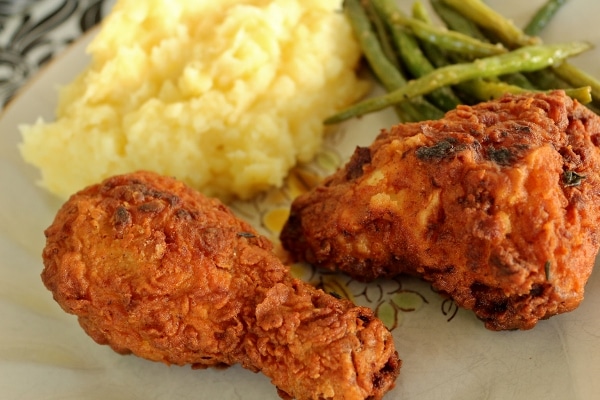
496 205
153 268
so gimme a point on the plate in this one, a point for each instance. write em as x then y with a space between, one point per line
446 352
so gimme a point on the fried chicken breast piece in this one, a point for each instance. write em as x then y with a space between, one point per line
154 268
496 205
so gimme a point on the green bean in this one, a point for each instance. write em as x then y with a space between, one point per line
484 16
486 90
448 40
436 56
381 66
576 77
385 71
456 21
382 33
413 58
420 12
582 94
542 79
535 27
542 16
459 22
517 79
565 71
479 89
528 58
439 58
546 79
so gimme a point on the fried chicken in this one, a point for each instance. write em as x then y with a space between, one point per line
153 268
496 205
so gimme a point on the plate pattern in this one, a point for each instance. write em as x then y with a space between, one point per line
32 36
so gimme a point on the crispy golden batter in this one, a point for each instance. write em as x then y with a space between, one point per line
497 205
154 268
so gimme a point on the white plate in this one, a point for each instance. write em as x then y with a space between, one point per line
447 354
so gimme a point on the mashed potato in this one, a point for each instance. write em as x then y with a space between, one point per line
226 95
